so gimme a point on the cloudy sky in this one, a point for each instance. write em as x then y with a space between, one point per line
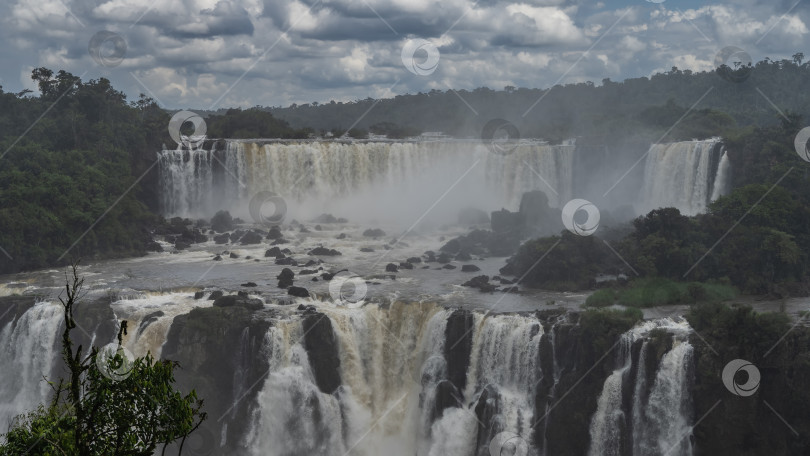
222 53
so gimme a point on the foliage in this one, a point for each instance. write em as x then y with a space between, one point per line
251 123
602 327
93 412
601 298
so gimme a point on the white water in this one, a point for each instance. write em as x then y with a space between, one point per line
388 180
679 175
723 179
660 424
27 353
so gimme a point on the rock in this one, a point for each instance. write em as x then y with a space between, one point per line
324 251
414 260
430 256
318 228
406 265
215 295
447 396
472 216
222 221
448 266
481 282
286 261
302 307
217 258
181 245
280 241
286 251
458 336
341 236
469 268
248 284
425 267
243 294
452 246
505 222
310 263
274 233
153 246
391 267
236 235
304 229
443 258
285 278
307 272
234 300
374 233
322 350
298 292
199 295
463 256
222 238
314 279
250 237
366 249
273 252
233 255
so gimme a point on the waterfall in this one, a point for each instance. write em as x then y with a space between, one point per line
27 352
659 423
678 175
199 182
722 180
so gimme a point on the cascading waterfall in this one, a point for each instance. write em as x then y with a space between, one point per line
679 175
27 353
198 182
722 181
659 423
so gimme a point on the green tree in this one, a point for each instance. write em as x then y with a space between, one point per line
108 405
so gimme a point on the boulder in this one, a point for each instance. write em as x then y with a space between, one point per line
414 260
341 236
324 251
248 284
285 278
469 268
273 252
373 233
322 350
222 221
286 261
307 272
280 241
506 222
325 218
391 267
298 292
448 266
199 294
275 233
217 258
405 265
233 255
181 245
222 238
235 300
366 249
250 237
481 282
215 295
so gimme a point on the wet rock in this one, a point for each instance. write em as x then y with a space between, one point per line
250 238
414 260
469 268
222 221
222 238
443 258
243 294
321 346
199 295
452 246
448 266
274 233
325 218
153 247
506 222
181 245
458 336
304 229
366 249
286 261
318 228
285 278
217 258
286 251
215 295
307 272
447 396
280 241
374 233
341 236
233 255
298 292
463 256
248 284
406 265
481 282
235 300
391 267
310 263
324 251
273 252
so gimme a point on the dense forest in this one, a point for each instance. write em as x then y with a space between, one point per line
77 175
